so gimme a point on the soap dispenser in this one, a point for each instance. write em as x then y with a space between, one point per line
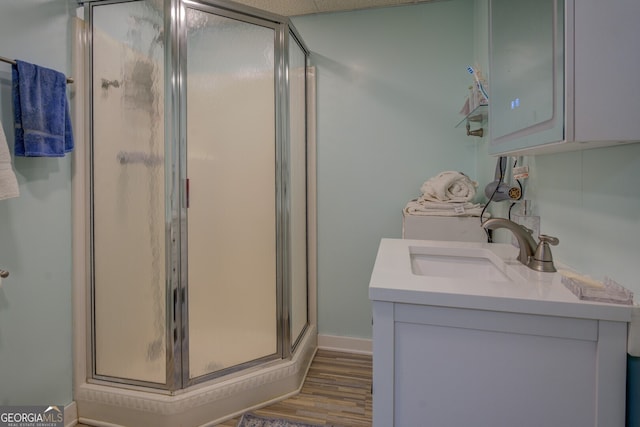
524 217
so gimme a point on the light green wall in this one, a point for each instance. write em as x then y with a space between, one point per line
589 199
35 229
390 84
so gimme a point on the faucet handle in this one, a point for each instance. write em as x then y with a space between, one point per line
549 239
542 260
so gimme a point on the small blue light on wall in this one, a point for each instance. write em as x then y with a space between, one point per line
515 103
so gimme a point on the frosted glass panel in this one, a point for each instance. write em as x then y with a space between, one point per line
232 214
298 188
128 192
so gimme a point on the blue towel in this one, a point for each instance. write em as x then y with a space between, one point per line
41 112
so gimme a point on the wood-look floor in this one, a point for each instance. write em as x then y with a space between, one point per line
337 392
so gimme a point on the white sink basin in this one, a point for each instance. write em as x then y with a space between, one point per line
472 263
456 266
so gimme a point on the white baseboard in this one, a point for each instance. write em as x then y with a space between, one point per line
70 414
346 344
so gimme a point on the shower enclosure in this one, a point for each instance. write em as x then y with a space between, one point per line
198 192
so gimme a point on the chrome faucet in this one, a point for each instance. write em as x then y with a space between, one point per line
536 256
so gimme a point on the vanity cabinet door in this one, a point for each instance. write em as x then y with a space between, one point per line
527 74
452 367
469 377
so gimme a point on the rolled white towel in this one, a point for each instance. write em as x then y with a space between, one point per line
450 187
8 182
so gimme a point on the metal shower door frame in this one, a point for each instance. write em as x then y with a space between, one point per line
179 42
175 164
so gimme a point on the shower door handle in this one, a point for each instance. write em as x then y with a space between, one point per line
187 192
175 304
175 310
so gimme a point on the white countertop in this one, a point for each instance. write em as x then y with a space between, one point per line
528 291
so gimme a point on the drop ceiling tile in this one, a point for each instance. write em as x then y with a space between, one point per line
305 7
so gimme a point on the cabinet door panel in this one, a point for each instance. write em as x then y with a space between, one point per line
522 64
451 377
527 74
563 75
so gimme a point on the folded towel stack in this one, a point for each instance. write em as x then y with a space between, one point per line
447 194
41 112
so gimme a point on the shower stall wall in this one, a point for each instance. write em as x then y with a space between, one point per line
197 177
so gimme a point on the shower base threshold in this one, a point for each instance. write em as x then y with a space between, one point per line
202 405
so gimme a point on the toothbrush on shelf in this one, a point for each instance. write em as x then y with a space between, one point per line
479 83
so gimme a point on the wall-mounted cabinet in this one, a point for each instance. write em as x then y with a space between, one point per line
563 75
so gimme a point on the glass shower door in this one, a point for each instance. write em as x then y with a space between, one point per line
128 198
198 191
231 185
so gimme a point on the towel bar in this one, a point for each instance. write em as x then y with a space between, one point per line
11 61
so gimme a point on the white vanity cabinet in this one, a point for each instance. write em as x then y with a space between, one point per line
454 345
450 367
563 74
